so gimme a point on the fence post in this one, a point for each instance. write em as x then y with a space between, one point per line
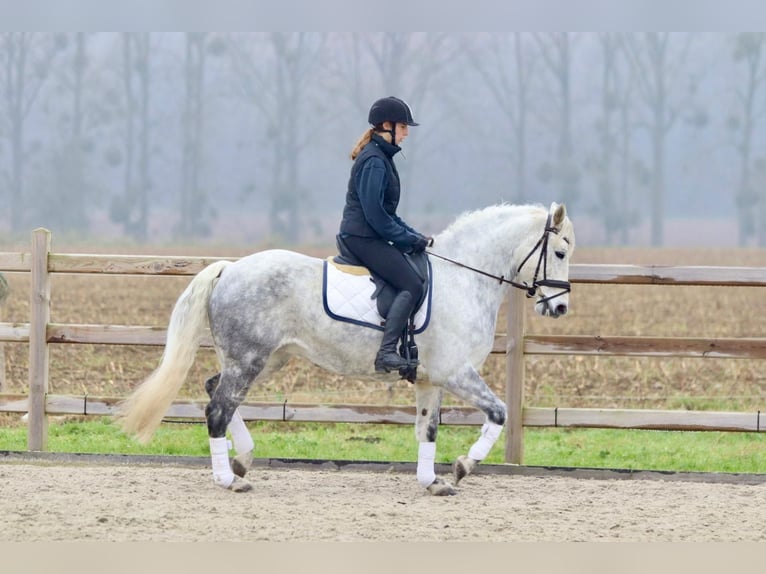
514 382
3 295
40 312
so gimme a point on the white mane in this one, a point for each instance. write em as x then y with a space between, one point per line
490 217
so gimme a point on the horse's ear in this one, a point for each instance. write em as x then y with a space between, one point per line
559 213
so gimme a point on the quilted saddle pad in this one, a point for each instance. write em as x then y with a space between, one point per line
347 296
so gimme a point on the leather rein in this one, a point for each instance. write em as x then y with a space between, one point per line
542 261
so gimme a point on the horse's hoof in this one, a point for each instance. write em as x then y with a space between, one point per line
440 487
463 467
241 463
240 485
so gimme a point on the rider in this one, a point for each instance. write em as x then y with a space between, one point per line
370 228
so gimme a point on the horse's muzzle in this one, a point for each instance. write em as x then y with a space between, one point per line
552 308
558 310
556 304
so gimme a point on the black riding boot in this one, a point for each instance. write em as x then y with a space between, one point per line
387 358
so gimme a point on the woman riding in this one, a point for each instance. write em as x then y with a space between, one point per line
372 230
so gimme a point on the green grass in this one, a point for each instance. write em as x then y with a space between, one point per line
596 448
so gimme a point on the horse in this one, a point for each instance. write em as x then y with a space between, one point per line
266 307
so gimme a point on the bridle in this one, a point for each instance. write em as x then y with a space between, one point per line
542 261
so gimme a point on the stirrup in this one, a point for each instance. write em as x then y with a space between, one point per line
385 363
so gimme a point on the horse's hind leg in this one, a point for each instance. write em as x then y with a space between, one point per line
227 396
428 400
240 435
469 386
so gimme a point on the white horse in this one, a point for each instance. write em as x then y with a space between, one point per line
266 307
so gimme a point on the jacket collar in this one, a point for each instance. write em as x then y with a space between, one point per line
388 148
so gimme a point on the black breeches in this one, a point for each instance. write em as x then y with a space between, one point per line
388 262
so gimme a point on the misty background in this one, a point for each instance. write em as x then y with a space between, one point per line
654 139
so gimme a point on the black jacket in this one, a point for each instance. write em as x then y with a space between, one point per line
373 196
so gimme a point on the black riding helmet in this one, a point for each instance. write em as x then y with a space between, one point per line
390 109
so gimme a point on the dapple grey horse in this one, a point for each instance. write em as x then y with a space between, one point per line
267 307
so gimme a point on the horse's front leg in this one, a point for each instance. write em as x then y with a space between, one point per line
428 400
469 386
240 435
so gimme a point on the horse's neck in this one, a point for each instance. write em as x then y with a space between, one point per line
495 242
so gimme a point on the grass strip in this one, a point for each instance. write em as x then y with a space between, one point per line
582 448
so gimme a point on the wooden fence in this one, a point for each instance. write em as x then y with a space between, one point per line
39 333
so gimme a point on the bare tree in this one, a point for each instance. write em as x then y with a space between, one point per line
749 50
274 73
407 63
505 67
25 64
131 208
64 181
658 70
556 50
617 171
193 195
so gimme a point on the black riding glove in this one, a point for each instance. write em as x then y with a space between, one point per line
420 245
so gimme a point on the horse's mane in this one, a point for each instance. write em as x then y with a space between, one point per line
489 216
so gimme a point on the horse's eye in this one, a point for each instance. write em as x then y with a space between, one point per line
560 254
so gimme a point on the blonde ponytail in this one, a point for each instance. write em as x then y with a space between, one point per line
361 142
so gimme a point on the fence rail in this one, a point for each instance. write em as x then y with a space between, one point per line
39 333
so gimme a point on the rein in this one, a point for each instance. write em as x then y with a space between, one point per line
531 290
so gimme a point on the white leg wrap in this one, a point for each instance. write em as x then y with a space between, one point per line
243 442
490 432
426 457
219 455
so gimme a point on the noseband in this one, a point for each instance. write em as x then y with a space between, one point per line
565 286
542 261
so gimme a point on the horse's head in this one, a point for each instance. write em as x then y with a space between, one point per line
546 268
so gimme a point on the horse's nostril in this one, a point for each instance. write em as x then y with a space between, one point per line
561 309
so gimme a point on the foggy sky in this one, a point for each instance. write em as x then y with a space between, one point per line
461 157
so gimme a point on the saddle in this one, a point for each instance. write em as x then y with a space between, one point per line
384 293
353 293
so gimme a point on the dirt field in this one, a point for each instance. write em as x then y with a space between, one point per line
117 502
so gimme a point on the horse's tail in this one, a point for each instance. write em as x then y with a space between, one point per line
142 412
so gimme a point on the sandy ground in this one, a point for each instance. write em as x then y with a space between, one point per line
41 501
